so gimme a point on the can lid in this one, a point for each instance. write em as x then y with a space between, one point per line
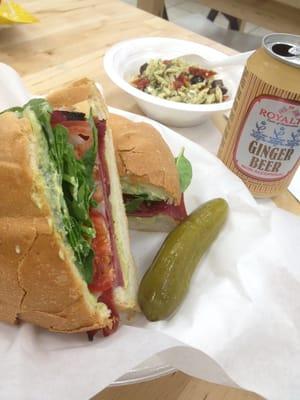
284 47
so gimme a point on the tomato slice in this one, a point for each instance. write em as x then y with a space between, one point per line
98 194
104 274
81 128
84 131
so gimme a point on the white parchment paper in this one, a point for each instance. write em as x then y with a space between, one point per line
239 324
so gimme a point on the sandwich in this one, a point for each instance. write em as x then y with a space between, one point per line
65 260
152 181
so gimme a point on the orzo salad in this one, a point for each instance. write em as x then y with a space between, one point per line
179 81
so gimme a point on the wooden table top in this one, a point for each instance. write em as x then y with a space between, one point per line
69 43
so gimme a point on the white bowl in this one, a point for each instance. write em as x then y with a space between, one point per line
123 60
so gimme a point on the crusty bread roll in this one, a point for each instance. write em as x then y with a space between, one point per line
81 95
39 281
144 158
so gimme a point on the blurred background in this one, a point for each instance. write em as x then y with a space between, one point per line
239 24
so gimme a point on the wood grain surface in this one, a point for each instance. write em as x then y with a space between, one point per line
69 43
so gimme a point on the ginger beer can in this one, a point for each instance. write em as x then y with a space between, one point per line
261 143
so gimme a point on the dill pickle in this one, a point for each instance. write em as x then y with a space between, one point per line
166 282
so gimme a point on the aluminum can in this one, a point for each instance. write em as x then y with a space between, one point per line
261 143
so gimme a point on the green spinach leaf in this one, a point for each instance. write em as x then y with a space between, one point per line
133 203
184 168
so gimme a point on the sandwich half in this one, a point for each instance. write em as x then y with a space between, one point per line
65 260
152 181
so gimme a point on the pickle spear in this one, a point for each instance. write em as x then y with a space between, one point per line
166 282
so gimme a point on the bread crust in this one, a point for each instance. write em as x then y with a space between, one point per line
16 238
143 156
65 307
76 93
16 183
38 281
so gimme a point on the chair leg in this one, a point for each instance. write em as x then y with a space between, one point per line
165 14
234 23
212 15
152 6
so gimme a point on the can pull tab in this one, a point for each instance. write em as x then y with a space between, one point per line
295 51
284 47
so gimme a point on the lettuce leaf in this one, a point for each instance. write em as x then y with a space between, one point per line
76 178
133 203
17 110
184 168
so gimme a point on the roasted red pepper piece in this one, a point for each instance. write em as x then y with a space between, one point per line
205 73
181 80
141 83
